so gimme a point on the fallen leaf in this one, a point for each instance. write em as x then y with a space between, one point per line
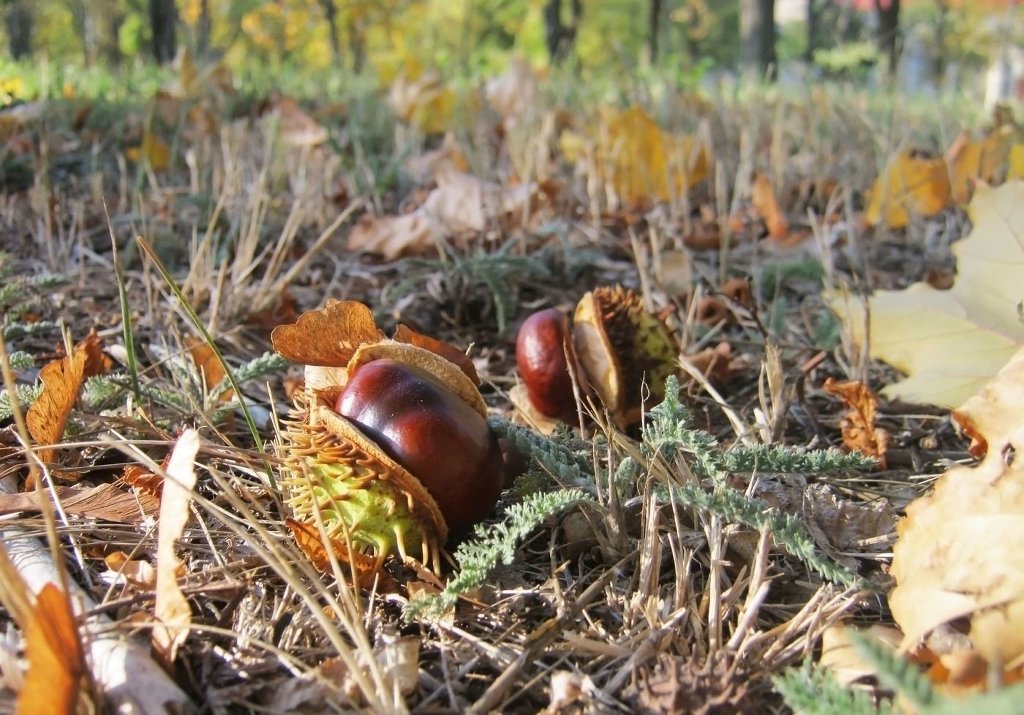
55 658
858 425
405 334
762 196
514 93
640 162
461 203
1015 162
957 562
329 336
210 368
104 502
450 156
996 409
137 572
171 610
843 659
971 160
143 480
62 380
951 342
422 100
297 128
910 186
153 150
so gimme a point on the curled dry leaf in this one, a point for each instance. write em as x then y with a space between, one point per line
171 610
762 196
957 561
62 380
859 431
56 662
996 410
971 160
210 368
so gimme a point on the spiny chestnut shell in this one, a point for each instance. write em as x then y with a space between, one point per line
432 432
541 356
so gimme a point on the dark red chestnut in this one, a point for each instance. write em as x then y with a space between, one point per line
432 432
541 356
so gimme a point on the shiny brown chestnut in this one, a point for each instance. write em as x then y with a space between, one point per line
424 426
543 348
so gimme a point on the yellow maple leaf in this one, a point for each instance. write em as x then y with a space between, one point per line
909 186
958 557
951 342
974 159
639 161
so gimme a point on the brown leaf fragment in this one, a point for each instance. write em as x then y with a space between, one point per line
328 336
847 525
171 609
104 502
143 480
858 425
55 659
405 334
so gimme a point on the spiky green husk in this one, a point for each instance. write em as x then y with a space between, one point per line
371 508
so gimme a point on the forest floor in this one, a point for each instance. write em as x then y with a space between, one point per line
636 597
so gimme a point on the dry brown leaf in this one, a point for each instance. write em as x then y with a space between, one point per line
62 379
327 337
105 502
153 150
859 431
838 524
910 186
762 196
515 92
450 156
171 610
137 572
143 480
958 562
297 128
209 366
843 659
405 334
461 203
56 662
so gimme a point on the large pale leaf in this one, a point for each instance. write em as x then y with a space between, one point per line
951 342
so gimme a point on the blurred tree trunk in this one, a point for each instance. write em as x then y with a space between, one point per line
559 34
331 15
757 37
203 29
357 43
19 29
654 29
888 34
163 20
815 12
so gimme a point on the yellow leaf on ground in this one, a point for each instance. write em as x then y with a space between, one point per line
153 150
1015 162
55 660
958 562
910 186
171 610
951 342
422 101
638 160
982 159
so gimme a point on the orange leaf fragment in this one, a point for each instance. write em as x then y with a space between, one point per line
762 196
996 410
209 366
405 334
859 431
56 662
982 159
329 336
62 380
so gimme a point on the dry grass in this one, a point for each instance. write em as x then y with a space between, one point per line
633 603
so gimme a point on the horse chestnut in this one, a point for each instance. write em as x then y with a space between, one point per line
542 347
436 435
